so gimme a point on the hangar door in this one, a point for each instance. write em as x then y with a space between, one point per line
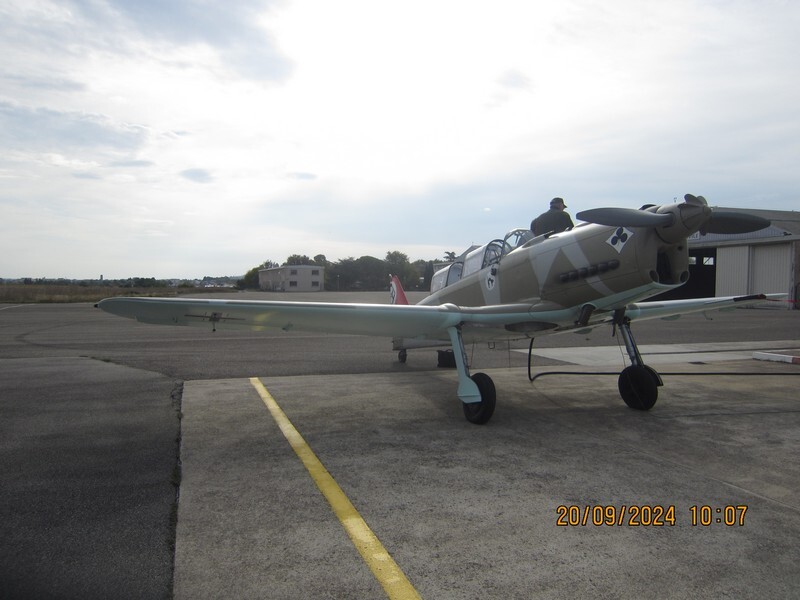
753 269
772 268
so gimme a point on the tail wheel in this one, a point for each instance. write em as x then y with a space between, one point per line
638 387
479 413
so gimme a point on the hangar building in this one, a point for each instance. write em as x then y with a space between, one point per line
766 261
292 278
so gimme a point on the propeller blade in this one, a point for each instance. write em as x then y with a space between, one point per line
723 221
625 217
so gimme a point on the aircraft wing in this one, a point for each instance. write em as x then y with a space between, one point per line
423 322
674 308
386 320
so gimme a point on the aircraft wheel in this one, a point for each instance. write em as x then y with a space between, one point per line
654 374
638 387
479 413
402 356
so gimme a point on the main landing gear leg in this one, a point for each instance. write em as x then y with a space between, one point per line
638 383
477 393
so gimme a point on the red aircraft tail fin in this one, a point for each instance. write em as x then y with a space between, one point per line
396 291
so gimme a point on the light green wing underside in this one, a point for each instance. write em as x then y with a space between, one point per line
389 320
385 320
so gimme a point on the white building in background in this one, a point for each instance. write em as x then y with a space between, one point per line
292 278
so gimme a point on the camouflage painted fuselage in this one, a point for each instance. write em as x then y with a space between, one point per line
605 267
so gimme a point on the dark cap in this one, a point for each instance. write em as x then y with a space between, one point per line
557 201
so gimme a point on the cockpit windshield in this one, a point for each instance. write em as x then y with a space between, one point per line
517 238
480 258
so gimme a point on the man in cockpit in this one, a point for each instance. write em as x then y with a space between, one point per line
554 220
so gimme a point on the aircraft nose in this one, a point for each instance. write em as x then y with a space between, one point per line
689 218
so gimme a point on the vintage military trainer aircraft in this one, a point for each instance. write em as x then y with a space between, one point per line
517 287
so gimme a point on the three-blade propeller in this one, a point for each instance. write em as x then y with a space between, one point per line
720 221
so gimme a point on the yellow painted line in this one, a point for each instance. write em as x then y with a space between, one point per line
382 565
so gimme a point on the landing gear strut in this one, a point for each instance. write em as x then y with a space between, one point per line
638 383
477 393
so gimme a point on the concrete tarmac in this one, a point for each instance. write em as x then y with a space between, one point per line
516 509
89 457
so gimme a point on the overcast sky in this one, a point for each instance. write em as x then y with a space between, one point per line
180 138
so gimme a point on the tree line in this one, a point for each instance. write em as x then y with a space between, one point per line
365 273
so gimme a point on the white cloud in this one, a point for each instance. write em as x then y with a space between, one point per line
190 139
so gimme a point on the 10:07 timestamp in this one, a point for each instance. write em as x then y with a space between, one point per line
705 515
648 515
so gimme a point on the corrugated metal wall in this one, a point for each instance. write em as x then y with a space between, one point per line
754 269
733 270
771 269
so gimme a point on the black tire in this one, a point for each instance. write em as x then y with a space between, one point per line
479 413
402 356
638 387
654 374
